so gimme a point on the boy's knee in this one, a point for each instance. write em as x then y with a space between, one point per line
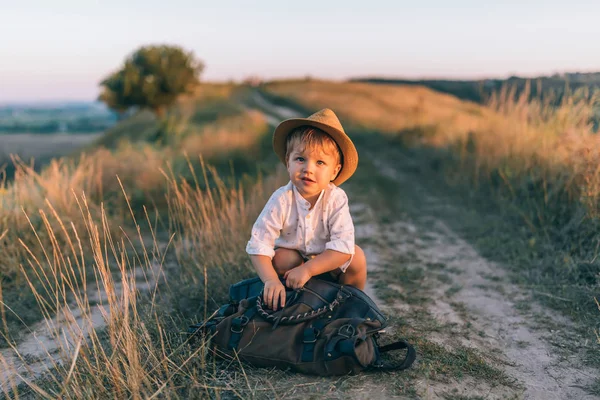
359 253
286 259
359 257
359 262
356 274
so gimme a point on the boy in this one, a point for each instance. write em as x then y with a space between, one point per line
305 229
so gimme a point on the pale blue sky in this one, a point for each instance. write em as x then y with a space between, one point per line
61 49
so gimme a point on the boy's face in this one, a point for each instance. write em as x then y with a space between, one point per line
311 170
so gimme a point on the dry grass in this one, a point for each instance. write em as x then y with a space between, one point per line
75 254
135 353
140 166
236 133
552 145
137 166
114 293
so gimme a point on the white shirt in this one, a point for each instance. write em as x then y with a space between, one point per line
286 221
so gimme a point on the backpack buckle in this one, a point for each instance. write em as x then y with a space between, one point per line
310 335
238 324
346 331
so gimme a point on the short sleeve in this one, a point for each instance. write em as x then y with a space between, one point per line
267 227
341 228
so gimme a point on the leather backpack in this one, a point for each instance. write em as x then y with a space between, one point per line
324 329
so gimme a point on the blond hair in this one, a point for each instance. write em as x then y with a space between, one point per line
309 137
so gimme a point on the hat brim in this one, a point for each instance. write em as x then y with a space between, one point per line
349 153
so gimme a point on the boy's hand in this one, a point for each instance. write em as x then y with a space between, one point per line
295 278
274 293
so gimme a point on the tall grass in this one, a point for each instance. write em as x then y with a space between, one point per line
138 166
554 145
137 352
114 282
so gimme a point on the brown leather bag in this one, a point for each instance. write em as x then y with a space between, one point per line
324 329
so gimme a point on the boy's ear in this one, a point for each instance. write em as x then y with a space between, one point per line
336 170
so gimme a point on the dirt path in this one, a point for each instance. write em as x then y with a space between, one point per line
472 301
479 336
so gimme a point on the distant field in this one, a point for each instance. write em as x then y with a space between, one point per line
27 145
56 117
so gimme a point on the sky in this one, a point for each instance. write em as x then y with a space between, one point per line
61 49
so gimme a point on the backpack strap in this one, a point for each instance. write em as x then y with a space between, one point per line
212 321
309 339
411 355
344 341
237 327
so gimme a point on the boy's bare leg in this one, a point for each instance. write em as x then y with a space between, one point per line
286 259
356 273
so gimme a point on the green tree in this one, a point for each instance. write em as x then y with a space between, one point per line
152 77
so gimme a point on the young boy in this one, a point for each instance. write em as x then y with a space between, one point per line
305 229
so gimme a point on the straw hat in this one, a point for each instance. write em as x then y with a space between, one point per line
327 121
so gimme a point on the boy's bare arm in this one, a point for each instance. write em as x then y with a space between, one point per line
274 291
325 262
264 267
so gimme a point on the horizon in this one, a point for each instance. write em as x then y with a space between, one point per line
53 102
60 54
